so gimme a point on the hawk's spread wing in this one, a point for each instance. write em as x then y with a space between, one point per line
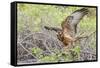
77 16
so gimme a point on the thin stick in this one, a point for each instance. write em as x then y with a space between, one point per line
28 51
78 38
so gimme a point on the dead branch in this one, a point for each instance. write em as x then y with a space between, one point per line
28 52
78 38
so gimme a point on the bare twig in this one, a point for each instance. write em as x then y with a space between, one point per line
78 38
28 51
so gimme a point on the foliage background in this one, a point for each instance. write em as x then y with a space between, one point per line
51 15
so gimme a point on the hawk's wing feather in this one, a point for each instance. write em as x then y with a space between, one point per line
77 16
